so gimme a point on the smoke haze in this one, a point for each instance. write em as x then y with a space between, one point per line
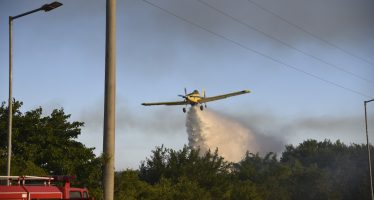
208 130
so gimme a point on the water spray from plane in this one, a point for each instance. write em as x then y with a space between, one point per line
207 130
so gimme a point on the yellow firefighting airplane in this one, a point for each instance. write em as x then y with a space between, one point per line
194 99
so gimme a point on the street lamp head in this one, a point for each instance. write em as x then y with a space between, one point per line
51 6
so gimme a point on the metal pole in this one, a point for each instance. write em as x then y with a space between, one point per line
27 13
109 99
368 147
10 103
46 7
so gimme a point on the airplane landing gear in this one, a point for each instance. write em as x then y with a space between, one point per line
201 107
184 110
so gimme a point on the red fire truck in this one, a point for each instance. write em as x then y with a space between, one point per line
35 188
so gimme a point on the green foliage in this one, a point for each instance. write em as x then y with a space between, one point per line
46 145
129 186
209 171
340 171
266 174
311 170
245 190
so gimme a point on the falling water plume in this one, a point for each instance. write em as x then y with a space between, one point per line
207 130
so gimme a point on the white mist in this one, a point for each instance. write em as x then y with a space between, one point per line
207 130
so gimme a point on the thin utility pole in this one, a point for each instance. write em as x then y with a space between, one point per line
109 99
368 148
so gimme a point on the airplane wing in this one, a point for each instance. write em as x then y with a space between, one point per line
171 103
214 98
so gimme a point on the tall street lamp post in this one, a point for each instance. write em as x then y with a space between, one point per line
46 8
368 147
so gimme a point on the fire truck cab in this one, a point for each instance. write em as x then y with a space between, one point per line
36 188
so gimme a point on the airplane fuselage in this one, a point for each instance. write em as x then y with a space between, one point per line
193 98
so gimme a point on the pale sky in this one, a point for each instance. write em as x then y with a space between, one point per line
309 65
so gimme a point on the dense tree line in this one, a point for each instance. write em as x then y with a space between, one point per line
46 145
311 170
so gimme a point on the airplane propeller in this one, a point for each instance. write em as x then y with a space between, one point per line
185 99
185 94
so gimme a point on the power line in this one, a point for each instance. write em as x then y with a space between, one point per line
257 52
284 43
311 34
